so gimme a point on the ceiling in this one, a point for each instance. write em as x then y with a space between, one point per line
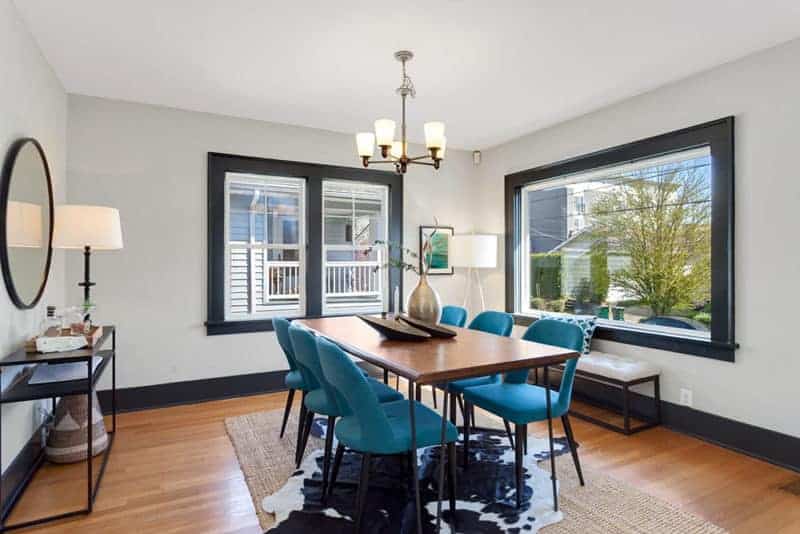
492 70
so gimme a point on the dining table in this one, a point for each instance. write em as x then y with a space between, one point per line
437 361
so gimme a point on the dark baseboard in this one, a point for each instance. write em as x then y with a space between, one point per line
192 391
20 471
768 445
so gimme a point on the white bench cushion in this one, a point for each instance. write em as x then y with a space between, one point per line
610 366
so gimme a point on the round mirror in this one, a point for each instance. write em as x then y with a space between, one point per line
26 222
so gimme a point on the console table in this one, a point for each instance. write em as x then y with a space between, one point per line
21 390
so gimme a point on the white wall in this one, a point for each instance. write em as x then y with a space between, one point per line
150 162
763 93
32 104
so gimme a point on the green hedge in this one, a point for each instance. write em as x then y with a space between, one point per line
546 276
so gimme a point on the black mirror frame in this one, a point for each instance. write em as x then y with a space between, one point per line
5 186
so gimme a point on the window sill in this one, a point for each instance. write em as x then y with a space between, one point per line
221 328
683 345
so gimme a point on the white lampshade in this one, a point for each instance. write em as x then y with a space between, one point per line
384 132
397 149
24 224
77 226
473 250
366 144
434 134
440 152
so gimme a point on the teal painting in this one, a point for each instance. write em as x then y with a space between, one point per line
439 255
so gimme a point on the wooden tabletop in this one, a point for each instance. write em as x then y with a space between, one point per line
471 353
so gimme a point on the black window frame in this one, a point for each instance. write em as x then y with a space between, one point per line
718 135
314 174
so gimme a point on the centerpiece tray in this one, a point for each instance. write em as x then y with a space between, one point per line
391 328
436 330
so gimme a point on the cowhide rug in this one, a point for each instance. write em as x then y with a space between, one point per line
485 492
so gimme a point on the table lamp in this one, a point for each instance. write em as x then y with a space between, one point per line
88 228
474 251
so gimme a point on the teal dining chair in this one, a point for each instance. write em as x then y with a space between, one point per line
492 322
454 316
322 398
515 400
371 428
294 379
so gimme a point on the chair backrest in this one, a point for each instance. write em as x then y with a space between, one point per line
352 386
493 322
454 316
559 334
304 343
281 327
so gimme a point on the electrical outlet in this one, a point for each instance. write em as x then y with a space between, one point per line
686 397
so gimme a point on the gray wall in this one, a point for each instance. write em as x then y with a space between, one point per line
32 104
150 162
762 92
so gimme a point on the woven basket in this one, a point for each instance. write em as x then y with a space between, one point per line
66 442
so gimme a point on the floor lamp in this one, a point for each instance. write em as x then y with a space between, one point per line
474 251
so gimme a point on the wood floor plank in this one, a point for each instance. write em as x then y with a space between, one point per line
174 470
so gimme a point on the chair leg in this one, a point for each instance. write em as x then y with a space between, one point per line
300 424
466 434
508 433
573 446
337 462
461 406
433 392
451 479
363 489
626 403
304 441
326 461
518 465
418 393
472 415
525 441
452 406
289 401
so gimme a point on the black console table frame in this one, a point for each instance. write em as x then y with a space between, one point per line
21 391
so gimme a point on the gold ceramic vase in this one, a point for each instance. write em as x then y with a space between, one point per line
424 303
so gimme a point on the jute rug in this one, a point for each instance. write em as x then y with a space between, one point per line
604 505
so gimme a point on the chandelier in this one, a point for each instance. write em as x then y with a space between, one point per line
396 152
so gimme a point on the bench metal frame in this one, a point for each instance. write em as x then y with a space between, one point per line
625 386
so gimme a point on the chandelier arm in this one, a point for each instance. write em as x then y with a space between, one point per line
381 161
422 163
427 156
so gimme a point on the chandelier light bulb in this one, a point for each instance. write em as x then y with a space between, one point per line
434 134
384 132
365 142
397 149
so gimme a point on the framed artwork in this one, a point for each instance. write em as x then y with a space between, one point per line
440 248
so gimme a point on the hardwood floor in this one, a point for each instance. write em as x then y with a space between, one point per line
174 470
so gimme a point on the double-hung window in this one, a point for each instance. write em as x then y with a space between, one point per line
639 236
265 246
297 239
355 218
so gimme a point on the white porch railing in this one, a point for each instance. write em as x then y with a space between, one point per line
282 281
353 279
342 279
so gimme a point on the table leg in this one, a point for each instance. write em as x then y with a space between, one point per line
441 465
89 435
550 433
412 414
386 376
114 380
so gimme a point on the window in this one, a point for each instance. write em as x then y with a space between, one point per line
265 249
296 239
354 218
639 236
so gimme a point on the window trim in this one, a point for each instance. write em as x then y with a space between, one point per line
719 136
218 164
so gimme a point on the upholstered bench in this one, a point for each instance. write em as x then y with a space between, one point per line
620 373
